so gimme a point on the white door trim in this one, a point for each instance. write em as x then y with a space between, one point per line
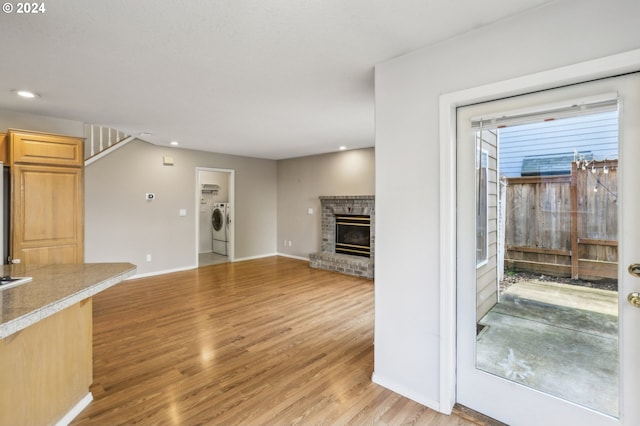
585 71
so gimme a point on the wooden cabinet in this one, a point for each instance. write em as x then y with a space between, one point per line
47 198
44 148
3 148
47 367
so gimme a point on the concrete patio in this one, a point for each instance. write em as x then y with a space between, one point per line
557 338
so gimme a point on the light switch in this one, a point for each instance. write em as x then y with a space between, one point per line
310 210
182 212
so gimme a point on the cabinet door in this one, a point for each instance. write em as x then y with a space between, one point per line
43 148
3 147
47 220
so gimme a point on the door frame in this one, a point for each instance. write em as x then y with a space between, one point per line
590 70
231 212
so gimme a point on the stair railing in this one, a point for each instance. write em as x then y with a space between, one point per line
100 140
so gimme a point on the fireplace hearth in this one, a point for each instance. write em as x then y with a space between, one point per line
348 235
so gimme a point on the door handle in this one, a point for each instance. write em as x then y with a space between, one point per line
634 299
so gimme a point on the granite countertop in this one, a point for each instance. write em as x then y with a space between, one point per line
53 288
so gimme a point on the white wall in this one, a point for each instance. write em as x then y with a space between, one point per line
40 123
407 309
120 225
302 180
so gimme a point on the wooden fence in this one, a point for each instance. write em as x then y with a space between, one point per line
564 226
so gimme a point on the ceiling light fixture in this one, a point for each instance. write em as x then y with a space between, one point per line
342 148
174 143
26 94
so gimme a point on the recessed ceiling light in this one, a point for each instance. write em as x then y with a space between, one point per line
342 148
26 94
174 143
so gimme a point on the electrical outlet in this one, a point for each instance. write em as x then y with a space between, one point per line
148 258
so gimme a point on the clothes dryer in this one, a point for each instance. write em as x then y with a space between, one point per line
219 228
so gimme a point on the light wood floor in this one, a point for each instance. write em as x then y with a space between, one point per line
260 342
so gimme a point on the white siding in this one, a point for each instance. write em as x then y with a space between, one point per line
596 133
486 274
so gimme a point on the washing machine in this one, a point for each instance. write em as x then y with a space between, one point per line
220 227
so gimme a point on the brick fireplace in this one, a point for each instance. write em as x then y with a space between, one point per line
356 219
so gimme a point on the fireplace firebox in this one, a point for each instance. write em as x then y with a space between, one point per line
353 235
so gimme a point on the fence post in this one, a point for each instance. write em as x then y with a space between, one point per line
575 264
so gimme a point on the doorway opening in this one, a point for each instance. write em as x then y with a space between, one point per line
547 252
573 234
530 407
215 207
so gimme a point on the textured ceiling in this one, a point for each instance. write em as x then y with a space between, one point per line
270 79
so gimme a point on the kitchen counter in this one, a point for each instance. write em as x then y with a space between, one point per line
53 288
46 333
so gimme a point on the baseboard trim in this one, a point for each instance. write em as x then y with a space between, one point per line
186 268
77 409
260 256
406 392
293 256
165 271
